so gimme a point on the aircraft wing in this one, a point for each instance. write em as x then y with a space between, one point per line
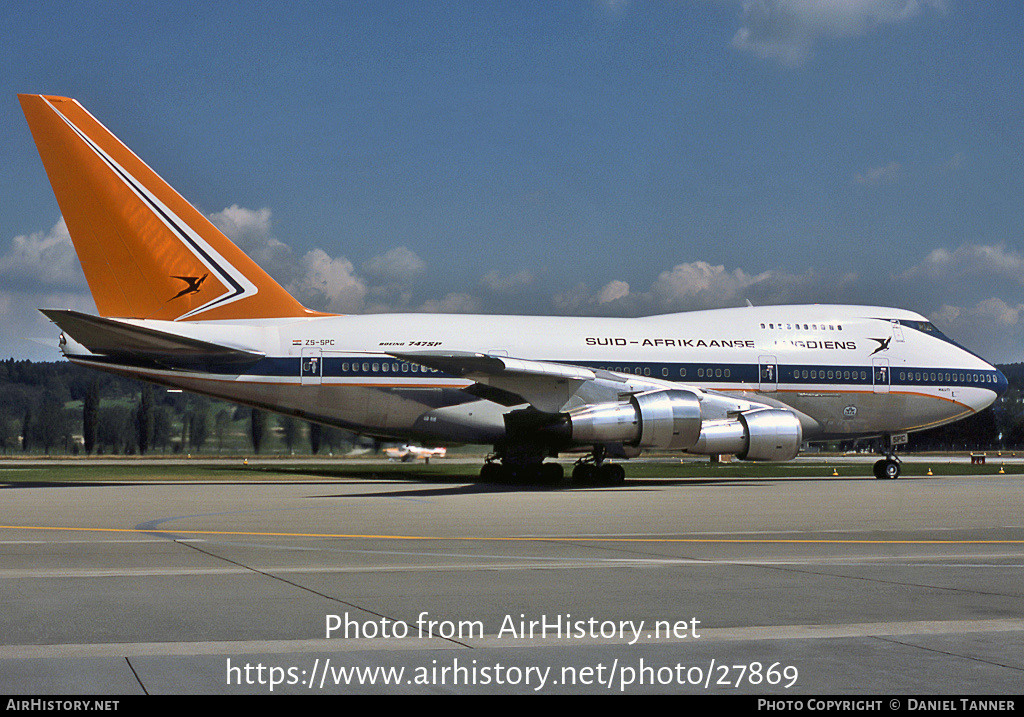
108 337
545 385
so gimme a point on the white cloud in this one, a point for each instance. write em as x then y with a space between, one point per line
955 290
396 266
992 327
879 175
243 224
499 284
973 292
329 284
24 331
970 262
701 284
252 231
572 301
42 258
319 280
786 31
453 303
39 270
613 291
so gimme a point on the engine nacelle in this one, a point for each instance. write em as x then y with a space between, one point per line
656 419
768 434
671 420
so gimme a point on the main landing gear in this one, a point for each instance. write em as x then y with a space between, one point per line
527 473
592 469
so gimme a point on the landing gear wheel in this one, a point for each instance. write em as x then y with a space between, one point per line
492 472
887 469
552 473
584 473
611 474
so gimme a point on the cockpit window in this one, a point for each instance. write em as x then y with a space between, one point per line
927 327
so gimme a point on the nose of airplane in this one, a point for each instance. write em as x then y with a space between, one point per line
1001 383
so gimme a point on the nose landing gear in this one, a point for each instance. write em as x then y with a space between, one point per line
887 468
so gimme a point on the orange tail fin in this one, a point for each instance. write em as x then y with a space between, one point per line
146 252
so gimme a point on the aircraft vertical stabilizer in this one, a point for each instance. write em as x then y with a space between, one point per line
146 252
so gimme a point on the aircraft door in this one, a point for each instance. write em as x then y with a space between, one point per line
311 368
880 371
768 374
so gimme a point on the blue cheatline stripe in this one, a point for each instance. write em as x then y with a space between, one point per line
720 375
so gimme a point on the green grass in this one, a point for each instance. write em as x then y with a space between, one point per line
128 470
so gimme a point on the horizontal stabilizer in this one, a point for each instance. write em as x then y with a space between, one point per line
108 337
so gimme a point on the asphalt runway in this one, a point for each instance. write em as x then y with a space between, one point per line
786 587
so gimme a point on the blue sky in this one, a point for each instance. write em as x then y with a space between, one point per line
610 157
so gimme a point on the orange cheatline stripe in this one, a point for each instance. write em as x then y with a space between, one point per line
539 539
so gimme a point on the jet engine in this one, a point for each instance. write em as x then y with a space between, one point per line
672 420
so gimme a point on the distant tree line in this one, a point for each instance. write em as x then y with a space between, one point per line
61 408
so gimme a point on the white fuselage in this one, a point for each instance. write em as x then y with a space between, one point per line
845 371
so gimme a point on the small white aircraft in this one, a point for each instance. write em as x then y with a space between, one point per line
410 452
180 305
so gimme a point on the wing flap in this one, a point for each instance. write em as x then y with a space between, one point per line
545 385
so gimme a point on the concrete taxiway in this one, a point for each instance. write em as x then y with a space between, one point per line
776 586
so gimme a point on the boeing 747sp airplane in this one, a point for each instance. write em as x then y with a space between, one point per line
180 305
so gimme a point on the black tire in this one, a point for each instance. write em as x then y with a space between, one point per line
552 473
887 469
584 473
611 474
493 473
891 469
